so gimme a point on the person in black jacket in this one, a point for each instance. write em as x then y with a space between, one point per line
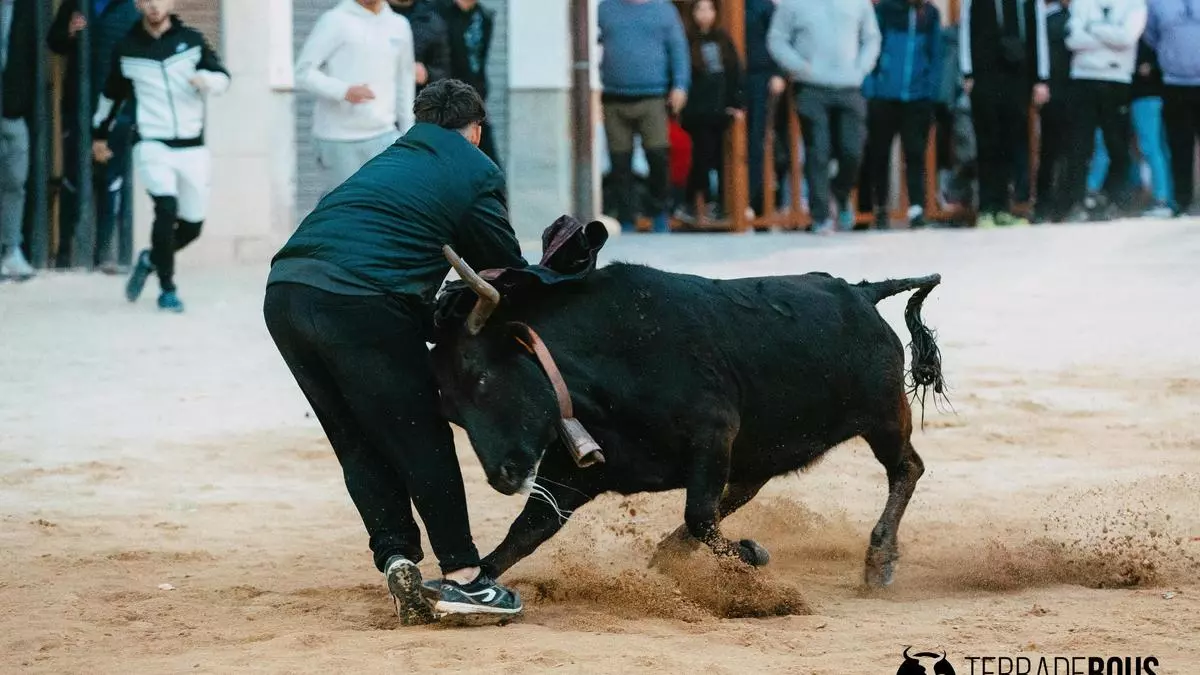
470 27
431 39
1005 64
716 95
110 23
349 304
764 82
1057 129
18 59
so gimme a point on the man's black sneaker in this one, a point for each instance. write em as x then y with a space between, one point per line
404 583
480 597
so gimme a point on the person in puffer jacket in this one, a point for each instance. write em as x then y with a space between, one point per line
1173 30
901 91
1103 38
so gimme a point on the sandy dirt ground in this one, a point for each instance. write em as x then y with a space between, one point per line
169 505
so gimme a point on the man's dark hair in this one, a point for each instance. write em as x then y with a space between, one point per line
450 104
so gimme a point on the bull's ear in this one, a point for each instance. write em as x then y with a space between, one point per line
522 337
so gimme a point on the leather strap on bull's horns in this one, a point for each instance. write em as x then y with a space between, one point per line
583 448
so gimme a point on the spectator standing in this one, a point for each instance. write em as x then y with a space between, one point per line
1103 38
110 23
645 60
764 83
716 95
1173 30
431 40
1056 117
1005 61
1147 114
166 69
470 27
949 90
901 92
828 47
359 62
18 59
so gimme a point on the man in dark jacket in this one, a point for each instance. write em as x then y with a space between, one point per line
469 27
349 304
901 91
1005 64
1057 129
431 39
110 23
764 80
18 59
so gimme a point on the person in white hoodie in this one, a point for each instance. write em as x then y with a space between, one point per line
359 62
828 47
1103 38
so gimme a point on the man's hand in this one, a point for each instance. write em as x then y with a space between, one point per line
101 152
359 93
77 24
776 85
677 99
200 83
422 74
1041 94
735 113
968 85
1144 70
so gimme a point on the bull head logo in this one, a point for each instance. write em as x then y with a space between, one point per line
489 297
925 663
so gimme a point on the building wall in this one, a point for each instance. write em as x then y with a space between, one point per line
250 135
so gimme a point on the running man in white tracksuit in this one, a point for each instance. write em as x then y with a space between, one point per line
167 68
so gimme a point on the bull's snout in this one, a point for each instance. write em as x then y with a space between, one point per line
509 478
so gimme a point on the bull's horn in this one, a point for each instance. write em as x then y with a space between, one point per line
489 297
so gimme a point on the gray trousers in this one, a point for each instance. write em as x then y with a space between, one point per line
339 160
14 172
834 125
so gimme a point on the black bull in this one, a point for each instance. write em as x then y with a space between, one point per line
713 386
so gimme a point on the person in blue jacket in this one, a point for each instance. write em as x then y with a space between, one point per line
901 93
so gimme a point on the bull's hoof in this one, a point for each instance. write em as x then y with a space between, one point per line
880 575
752 554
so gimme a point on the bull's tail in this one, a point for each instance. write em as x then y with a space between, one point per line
926 372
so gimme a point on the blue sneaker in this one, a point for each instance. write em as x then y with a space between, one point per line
628 227
169 302
846 220
142 270
481 600
661 224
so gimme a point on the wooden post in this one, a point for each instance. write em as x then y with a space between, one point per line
84 247
581 111
737 187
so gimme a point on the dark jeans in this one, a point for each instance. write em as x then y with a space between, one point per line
834 124
363 365
912 121
1105 105
1053 154
708 145
999 106
1181 115
110 194
757 98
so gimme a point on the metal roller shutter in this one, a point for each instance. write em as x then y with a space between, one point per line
204 16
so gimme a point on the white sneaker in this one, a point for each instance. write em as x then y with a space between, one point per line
14 266
1159 211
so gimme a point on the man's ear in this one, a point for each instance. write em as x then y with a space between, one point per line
475 133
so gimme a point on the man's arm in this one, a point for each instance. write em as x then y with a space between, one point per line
678 52
965 62
1079 39
117 89
1151 34
437 54
1127 33
406 78
211 74
869 39
779 42
937 50
485 238
60 39
320 45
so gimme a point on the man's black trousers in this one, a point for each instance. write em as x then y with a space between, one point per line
1105 105
999 107
363 365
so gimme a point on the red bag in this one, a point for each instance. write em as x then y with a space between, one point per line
681 154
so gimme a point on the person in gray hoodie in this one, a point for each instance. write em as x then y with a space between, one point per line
1173 30
828 47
